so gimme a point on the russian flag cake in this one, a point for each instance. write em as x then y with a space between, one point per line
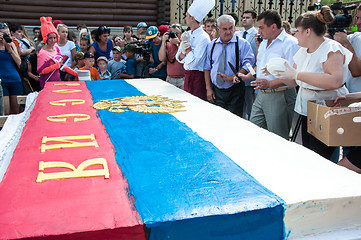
141 159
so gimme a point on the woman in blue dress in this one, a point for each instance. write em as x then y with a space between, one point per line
10 78
103 45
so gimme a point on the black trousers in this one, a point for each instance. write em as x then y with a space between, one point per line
313 143
231 99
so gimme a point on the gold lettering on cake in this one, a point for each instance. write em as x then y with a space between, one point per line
67 91
67 84
65 101
63 118
75 172
69 142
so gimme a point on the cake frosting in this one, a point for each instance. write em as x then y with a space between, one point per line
202 173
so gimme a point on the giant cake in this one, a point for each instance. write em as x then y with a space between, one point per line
141 159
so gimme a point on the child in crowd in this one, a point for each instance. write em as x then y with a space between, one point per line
102 63
128 32
79 63
117 65
130 63
89 60
74 38
33 67
84 44
117 40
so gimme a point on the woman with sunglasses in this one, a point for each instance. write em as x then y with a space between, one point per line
103 45
10 79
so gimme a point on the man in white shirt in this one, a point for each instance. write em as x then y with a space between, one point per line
274 104
192 50
249 18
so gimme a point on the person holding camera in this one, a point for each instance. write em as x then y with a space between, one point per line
353 43
9 76
157 67
167 52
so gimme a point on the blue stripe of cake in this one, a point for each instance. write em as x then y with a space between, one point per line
183 186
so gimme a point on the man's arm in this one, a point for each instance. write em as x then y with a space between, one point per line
207 79
355 64
162 54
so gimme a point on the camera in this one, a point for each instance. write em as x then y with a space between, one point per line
172 34
342 21
259 38
145 50
7 38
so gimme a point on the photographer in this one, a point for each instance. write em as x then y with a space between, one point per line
142 55
157 68
10 79
167 52
353 43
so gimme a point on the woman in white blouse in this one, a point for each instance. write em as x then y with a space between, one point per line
320 68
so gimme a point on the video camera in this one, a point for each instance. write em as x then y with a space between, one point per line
143 49
342 21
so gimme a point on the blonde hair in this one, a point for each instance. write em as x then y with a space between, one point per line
60 26
85 30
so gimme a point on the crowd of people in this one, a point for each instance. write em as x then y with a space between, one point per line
214 62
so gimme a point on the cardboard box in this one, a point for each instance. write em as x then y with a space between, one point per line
335 126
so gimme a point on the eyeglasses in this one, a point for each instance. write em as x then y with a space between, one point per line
3 25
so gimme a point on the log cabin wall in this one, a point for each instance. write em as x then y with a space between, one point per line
112 13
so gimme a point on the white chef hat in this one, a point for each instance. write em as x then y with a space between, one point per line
200 8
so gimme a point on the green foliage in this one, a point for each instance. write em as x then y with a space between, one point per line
327 2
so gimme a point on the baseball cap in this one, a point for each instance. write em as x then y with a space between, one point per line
142 24
118 48
152 32
89 55
130 48
57 22
163 29
102 58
